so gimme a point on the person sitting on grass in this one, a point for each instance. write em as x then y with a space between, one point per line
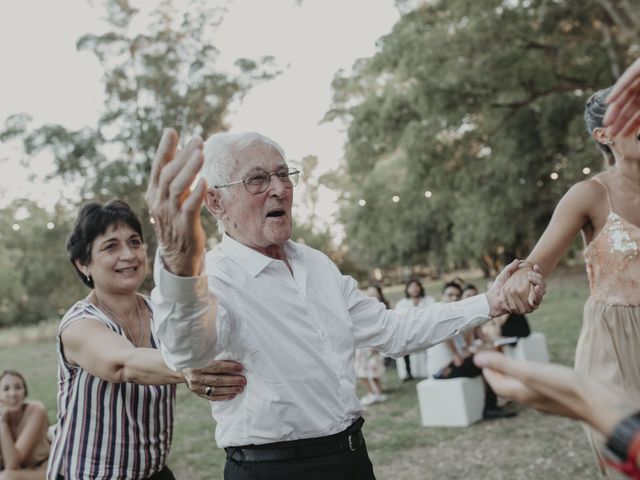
24 446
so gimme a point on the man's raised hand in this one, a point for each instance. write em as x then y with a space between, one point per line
175 209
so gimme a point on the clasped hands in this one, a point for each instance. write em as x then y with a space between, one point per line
519 288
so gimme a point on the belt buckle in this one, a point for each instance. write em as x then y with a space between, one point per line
350 439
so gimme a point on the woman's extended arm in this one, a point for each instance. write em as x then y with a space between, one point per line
89 344
571 214
16 450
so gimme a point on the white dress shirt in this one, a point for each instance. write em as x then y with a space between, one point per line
294 334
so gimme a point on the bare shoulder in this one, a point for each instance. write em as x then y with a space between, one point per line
590 187
36 408
587 194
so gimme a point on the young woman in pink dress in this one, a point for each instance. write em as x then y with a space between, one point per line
606 209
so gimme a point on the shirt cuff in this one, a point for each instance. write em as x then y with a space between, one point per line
174 288
476 306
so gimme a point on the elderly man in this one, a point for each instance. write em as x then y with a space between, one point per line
280 308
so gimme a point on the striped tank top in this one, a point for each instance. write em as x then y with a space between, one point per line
108 430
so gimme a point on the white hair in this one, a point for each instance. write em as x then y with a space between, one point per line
221 152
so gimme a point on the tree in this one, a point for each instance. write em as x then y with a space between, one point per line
470 113
166 75
36 278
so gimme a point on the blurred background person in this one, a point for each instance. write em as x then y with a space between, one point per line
414 297
116 396
454 358
24 445
369 363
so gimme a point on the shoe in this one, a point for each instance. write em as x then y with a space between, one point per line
381 397
408 378
368 399
371 398
496 412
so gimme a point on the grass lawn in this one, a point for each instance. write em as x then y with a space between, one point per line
530 446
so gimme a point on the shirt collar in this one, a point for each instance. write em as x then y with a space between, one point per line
249 259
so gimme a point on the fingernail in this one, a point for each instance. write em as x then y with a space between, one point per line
238 368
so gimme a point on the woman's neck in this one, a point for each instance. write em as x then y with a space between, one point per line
628 169
123 305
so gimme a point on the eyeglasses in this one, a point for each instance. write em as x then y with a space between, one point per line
258 182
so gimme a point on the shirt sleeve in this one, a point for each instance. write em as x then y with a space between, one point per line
190 322
399 332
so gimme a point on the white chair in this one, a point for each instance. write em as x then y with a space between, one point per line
418 362
532 348
456 402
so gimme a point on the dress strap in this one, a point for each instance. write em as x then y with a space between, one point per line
606 190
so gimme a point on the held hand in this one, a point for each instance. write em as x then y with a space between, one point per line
497 305
515 292
623 112
555 389
220 380
538 287
176 210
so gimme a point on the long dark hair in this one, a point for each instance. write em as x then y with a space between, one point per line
417 282
381 296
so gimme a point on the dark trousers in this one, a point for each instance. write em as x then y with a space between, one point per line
468 369
407 366
344 465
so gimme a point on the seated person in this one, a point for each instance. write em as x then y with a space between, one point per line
500 331
461 363
24 445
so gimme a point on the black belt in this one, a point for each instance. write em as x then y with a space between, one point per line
349 440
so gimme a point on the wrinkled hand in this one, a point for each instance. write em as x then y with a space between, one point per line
623 112
222 377
499 304
174 209
555 389
523 291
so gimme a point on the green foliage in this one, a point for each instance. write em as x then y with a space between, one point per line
163 75
478 102
36 279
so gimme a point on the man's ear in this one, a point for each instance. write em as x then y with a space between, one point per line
213 203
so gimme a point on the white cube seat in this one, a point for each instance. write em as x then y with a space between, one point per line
456 402
532 348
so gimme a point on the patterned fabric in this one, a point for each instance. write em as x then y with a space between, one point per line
108 430
613 261
369 363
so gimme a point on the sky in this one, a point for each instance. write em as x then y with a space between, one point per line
44 75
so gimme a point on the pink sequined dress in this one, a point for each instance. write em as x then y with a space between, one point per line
609 343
